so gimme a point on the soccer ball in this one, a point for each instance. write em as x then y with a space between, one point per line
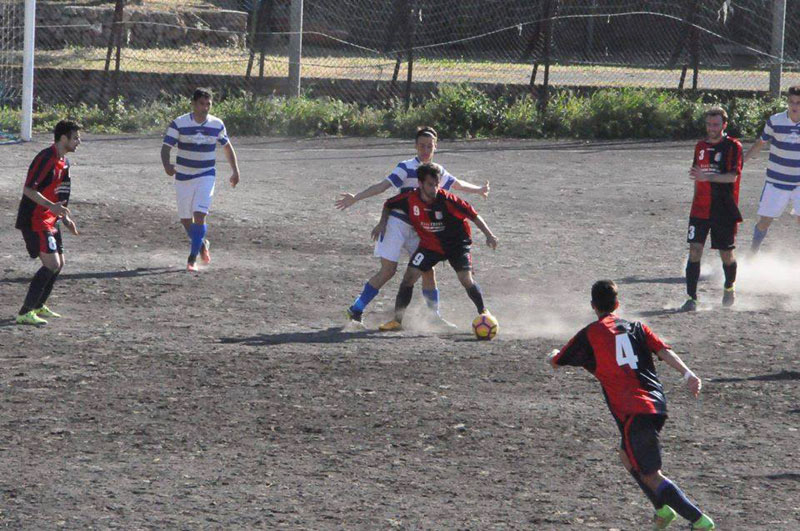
485 326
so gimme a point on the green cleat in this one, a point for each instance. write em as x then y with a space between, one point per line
663 517
705 523
30 318
44 311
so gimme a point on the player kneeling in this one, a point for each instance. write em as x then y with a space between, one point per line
441 220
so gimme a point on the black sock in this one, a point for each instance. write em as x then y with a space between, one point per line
35 290
730 274
475 294
47 289
402 301
669 494
692 276
647 492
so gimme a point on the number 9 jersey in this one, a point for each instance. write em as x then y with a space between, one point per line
620 354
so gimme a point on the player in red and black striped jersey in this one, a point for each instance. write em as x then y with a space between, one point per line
441 220
45 197
620 355
716 171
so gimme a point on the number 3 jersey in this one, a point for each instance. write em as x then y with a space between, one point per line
718 201
620 354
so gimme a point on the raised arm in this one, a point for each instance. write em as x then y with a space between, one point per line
755 149
673 360
464 186
230 154
347 200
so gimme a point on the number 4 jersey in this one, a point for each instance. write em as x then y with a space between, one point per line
620 354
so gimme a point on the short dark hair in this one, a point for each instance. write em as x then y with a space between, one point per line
427 170
202 92
604 295
428 131
716 110
794 90
65 127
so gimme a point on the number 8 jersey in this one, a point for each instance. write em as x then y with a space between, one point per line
620 354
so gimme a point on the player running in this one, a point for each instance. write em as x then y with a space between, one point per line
196 135
717 172
440 219
399 235
620 354
782 185
45 197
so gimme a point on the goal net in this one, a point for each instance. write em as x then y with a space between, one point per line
12 14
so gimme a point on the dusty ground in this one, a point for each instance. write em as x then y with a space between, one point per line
229 399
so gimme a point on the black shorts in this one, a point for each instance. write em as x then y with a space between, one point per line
42 242
640 441
723 234
425 259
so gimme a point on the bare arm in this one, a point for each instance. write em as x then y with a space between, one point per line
168 167
56 208
754 149
348 200
673 360
464 186
381 226
699 174
491 240
230 154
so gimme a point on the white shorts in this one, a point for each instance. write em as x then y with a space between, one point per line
194 195
774 200
398 235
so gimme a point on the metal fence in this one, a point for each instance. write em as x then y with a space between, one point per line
373 50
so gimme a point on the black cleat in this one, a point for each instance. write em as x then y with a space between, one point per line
689 306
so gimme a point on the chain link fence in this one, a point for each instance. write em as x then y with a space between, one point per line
375 50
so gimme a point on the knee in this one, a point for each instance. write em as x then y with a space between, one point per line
695 254
624 459
652 480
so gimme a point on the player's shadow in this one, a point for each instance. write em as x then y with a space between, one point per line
129 273
333 334
782 376
657 280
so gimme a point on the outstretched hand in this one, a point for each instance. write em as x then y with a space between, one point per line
491 241
485 190
345 201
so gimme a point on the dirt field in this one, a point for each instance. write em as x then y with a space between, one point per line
230 399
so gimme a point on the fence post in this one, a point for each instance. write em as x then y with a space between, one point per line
778 27
295 47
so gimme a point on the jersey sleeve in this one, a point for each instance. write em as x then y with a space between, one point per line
447 180
578 352
733 160
398 176
171 136
460 208
769 133
654 343
37 172
222 136
400 201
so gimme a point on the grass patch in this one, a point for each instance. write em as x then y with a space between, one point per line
457 111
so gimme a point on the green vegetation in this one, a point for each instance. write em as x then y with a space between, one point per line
457 111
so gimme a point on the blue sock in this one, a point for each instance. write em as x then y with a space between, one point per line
197 233
758 237
432 299
667 493
367 294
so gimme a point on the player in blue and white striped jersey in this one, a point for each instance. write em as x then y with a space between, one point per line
196 135
782 185
399 234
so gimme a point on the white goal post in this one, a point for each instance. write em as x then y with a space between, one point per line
26 127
